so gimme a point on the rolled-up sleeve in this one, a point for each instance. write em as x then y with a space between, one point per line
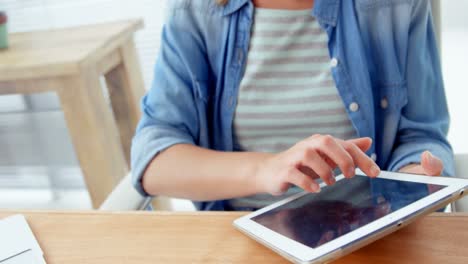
425 119
169 113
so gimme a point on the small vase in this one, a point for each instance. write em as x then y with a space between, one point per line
3 30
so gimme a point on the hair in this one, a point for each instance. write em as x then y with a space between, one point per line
222 2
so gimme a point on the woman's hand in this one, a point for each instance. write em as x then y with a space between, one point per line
312 158
430 166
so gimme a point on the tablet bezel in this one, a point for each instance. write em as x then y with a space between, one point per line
290 248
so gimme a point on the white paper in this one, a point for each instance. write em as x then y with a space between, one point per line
17 242
27 257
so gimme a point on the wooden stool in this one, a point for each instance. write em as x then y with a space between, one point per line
71 62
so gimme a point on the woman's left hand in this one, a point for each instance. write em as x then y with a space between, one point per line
430 166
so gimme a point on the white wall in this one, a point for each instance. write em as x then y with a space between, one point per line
455 69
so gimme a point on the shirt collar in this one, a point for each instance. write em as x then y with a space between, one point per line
325 10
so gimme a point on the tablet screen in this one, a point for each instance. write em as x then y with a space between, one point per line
315 219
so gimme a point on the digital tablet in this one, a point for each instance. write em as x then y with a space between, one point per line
319 228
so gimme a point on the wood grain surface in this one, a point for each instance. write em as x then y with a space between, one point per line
157 237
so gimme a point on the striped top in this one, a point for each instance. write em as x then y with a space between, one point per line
288 92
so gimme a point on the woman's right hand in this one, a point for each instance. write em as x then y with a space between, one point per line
313 158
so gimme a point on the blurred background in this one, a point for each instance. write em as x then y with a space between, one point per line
38 166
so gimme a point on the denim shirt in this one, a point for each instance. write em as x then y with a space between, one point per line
385 65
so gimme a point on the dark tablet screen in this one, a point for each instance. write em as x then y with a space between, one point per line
315 219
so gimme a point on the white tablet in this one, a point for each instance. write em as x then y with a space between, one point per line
318 228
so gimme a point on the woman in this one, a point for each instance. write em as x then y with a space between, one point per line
256 99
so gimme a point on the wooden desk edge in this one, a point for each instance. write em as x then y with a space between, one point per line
98 212
162 213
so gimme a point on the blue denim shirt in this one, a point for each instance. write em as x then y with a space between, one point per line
387 71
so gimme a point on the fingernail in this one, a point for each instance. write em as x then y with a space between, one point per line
351 172
332 180
375 170
430 157
315 188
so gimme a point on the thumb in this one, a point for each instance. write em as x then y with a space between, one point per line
432 166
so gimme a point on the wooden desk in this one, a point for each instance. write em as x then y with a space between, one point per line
71 62
147 237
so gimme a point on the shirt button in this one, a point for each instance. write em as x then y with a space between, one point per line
334 62
384 103
373 156
354 107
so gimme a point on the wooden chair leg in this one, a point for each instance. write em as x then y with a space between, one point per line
126 87
94 134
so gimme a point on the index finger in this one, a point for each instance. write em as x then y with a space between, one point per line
364 162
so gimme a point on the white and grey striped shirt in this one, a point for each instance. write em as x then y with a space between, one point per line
287 93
